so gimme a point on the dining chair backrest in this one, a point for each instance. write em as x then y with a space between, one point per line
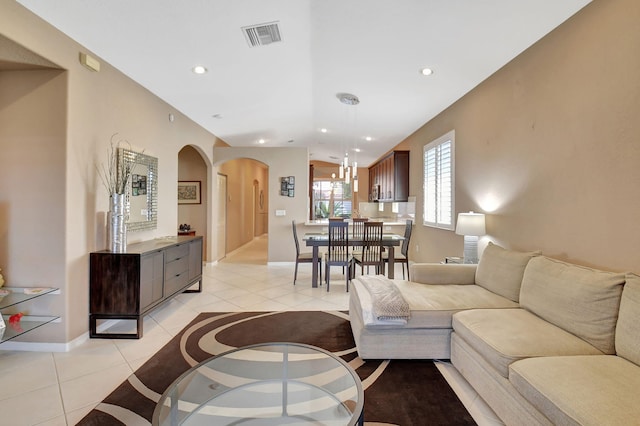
372 243
338 248
404 249
358 227
336 219
295 237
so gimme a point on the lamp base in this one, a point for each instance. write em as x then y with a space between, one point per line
470 249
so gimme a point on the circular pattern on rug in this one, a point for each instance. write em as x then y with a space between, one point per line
402 392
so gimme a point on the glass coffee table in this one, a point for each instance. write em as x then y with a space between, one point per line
265 384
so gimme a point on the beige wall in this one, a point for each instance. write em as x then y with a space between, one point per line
54 209
32 182
549 146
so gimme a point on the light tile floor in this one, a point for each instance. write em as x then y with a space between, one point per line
56 389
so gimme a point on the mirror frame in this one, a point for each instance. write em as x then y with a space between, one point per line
133 158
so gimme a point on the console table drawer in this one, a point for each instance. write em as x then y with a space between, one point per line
175 253
175 283
176 267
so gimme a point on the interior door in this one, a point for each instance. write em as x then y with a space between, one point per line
256 209
221 225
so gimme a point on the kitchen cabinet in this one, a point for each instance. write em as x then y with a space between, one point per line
389 178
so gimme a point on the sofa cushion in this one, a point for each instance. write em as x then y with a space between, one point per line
450 273
501 271
580 390
503 336
432 306
628 328
581 300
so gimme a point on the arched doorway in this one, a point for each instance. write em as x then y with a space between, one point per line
247 217
192 171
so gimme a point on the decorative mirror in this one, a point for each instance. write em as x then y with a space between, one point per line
141 209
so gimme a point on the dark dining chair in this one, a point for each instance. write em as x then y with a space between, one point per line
338 251
403 256
358 227
371 254
357 231
305 257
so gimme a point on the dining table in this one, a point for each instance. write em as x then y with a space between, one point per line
315 240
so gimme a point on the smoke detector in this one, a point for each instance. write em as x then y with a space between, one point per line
348 98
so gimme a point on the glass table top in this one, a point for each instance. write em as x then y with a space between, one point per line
265 384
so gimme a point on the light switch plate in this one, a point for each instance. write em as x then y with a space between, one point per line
281 212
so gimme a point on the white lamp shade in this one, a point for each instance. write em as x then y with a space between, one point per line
471 223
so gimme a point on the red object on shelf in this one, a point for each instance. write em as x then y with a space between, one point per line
14 322
15 318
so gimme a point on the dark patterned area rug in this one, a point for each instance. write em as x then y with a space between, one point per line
398 392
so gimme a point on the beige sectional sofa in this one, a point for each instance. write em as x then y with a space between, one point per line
554 343
494 283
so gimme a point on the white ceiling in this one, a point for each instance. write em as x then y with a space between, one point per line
285 92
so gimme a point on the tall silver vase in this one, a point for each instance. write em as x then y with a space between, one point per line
117 226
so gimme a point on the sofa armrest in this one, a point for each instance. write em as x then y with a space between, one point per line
438 273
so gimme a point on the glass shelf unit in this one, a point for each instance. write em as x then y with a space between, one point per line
27 323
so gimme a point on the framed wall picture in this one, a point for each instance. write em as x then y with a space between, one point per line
189 192
287 186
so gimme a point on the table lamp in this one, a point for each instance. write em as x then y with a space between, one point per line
471 225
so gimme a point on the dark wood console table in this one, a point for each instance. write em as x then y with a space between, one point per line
129 285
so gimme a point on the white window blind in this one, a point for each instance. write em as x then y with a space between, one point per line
439 182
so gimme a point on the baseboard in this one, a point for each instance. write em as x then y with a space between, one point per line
45 347
53 347
281 263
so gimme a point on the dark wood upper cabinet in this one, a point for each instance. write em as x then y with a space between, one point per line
389 178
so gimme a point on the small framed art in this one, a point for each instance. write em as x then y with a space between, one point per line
189 192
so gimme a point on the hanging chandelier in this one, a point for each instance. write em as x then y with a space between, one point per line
349 172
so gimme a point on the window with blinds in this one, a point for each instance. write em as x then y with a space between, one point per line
439 186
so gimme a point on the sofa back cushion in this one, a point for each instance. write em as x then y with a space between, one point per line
500 271
581 300
628 328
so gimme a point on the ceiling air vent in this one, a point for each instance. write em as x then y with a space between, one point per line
262 34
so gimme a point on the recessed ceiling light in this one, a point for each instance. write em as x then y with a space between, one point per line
368 138
261 141
199 69
323 130
426 71
356 149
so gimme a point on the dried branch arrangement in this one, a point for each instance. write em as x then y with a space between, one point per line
115 174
